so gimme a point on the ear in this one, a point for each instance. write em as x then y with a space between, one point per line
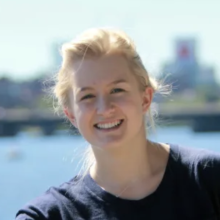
70 116
147 99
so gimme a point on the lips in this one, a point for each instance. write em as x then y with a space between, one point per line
108 125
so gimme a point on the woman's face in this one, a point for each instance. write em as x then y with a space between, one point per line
107 105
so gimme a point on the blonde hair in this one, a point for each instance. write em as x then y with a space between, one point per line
95 43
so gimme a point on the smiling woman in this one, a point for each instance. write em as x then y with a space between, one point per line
106 93
112 95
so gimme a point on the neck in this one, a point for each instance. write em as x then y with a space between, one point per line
122 166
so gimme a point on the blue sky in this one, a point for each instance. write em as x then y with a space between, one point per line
28 29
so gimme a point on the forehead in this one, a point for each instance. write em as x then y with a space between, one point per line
90 72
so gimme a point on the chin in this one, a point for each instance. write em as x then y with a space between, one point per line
108 144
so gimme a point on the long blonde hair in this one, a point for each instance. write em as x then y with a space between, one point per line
95 43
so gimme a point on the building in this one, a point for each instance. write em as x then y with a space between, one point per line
185 72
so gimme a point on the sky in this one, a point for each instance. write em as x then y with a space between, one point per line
30 29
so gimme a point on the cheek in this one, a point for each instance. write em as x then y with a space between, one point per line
83 113
129 103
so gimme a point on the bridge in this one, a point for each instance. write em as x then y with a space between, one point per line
201 118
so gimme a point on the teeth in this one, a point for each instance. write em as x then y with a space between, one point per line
108 125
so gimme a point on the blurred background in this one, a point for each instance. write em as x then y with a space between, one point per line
177 40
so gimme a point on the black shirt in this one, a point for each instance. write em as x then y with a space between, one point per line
190 189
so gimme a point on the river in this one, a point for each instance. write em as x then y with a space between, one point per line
31 163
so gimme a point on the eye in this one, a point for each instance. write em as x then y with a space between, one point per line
117 90
89 96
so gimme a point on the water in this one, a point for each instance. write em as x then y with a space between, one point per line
30 164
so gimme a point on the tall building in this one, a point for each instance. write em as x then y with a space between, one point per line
183 71
57 58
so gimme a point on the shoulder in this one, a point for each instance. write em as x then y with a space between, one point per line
55 203
203 158
201 164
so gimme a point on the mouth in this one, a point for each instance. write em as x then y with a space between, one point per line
109 126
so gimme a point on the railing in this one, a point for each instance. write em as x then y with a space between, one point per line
201 118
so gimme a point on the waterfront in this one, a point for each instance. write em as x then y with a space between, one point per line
31 163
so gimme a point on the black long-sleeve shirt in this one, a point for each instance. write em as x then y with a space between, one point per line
190 189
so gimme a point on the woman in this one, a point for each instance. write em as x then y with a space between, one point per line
105 91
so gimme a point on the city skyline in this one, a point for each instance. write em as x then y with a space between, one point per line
29 30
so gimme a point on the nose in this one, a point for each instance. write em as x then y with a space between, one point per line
105 107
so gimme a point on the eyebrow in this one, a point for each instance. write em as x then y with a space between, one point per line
112 83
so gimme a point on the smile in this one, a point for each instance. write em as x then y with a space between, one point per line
107 126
